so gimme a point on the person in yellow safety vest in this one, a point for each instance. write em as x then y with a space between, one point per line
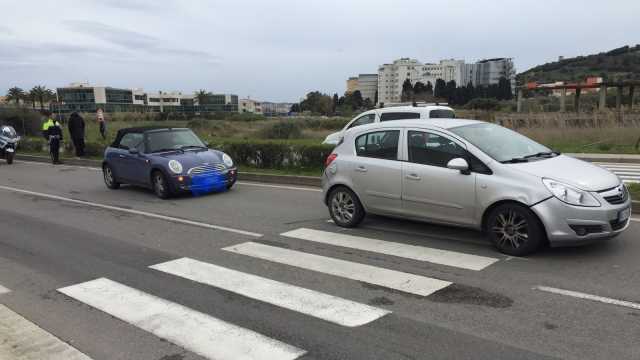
52 132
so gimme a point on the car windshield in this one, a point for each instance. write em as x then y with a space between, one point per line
502 144
172 140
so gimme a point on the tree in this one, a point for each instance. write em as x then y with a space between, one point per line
375 98
295 108
357 100
42 94
32 96
429 88
450 91
15 94
440 90
201 96
504 89
318 103
419 88
334 106
407 91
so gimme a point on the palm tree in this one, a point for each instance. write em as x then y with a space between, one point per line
42 94
15 94
33 97
201 96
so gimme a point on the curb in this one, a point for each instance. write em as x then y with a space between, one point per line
312 181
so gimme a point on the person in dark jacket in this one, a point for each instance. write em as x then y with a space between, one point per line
52 131
76 129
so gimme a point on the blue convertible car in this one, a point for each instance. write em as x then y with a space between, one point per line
167 160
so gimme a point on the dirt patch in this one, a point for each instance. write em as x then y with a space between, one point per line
462 294
550 326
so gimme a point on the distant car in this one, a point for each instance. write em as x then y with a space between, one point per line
168 161
474 174
391 113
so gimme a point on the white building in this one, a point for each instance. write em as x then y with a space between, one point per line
367 84
166 98
276 109
249 106
482 73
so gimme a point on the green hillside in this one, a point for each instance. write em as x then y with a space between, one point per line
618 64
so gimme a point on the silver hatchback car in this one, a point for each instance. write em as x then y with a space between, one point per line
473 174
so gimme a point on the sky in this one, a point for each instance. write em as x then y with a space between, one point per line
281 49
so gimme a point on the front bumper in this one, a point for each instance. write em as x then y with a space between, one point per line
568 225
206 182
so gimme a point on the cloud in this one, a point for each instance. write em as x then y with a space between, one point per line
135 41
137 5
5 30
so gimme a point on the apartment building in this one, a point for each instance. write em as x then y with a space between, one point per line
249 106
87 98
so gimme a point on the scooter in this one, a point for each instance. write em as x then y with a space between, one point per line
8 143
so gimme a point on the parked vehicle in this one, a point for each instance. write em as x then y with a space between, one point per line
390 113
9 140
167 160
473 174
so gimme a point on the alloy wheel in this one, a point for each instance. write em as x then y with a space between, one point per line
511 229
343 207
108 176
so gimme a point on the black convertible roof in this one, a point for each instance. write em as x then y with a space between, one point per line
140 130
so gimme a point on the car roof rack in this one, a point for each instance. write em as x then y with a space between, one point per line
414 104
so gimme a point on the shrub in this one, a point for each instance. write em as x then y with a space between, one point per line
483 104
282 130
276 154
25 121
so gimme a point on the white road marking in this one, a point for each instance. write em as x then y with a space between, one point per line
331 308
135 212
4 290
590 297
279 186
197 332
21 339
420 253
410 283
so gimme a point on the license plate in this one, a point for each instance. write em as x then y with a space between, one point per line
624 214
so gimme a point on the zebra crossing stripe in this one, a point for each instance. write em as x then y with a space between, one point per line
327 307
197 332
410 283
420 253
21 339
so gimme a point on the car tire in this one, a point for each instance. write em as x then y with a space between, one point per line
515 230
10 158
160 185
109 177
345 207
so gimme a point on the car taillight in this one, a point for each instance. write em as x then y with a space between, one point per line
330 159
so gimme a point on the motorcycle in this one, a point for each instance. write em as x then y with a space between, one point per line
8 143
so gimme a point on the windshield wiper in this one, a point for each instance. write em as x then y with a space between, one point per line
193 147
543 154
515 160
167 150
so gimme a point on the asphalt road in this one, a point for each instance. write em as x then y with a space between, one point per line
86 272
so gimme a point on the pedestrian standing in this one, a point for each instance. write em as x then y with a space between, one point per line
76 130
102 123
52 132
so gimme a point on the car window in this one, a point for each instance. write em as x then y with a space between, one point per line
131 140
399 116
172 140
363 120
442 114
379 144
431 149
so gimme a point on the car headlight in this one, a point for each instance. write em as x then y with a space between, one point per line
227 160
569 194
175 166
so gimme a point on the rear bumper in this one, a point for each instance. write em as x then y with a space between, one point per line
568 225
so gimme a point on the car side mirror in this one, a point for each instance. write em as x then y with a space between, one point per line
459 164
206 143
133 151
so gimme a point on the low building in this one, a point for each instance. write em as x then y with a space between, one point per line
276 109
352 84
249 106
86 98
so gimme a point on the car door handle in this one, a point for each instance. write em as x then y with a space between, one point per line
122 156
361 169
413 177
